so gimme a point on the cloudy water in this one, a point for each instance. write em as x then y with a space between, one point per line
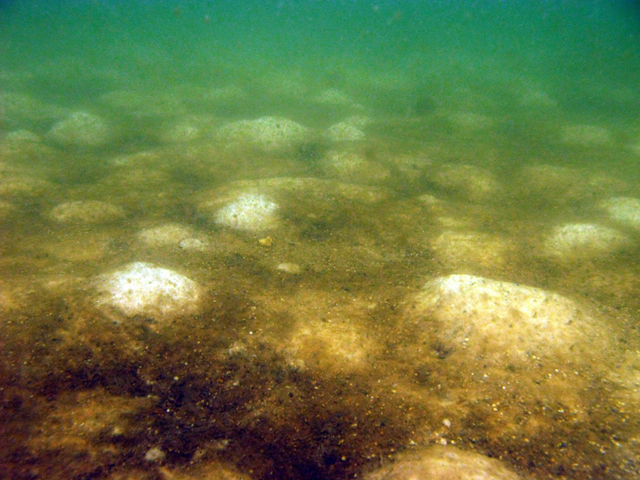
319 240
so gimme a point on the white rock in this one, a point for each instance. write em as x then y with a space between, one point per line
583 240
194 244
268 133
344 132
444 463
501 321
268 203
351 166
86 211
250 212
625 210
81 129
142 289
290 268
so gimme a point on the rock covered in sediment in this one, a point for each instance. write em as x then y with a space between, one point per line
353 167
267 133
143 289
586 136
23 108
584 240
173 235
459 249
250 212
86 211
349 130
501 321
624 210
444 463
475 183
263 205
81 129
329 332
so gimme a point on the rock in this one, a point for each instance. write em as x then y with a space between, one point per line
26 109
86 211
351 166
344 132
625 210
444 463
584 240
267 133
172 235
81 129
550 184
474 183
142 289
290 268
266 204
504 322
250 212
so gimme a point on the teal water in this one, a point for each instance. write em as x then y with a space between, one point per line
431 138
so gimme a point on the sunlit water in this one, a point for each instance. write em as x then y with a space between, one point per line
311 240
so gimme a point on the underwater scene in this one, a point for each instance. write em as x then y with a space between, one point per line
319 240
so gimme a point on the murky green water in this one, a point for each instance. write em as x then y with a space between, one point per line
319 240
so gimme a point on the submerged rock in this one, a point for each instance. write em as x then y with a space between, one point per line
142 289
584 240
586 136
351 166
250 212
267 133
81 129
625 210
259 205
86 211
172 235
502 321
444 463
345 132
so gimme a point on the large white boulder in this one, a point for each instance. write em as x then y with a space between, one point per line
444 463
142 289
501 321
